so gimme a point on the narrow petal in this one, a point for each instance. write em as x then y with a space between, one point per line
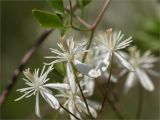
154 73
107 58
71 108
50 99
83 68
37 109
124 62
71 77
129 82
89 84
83 108
145 80
26 93
58 86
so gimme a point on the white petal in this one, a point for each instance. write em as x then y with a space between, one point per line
71 108
58 86
94 73
145 80
124 62
37 109
96 105
93 112
82 67
71 77
107 58
154 73
130 81
123 72
101 67
50 99
26 93
84 109
89 84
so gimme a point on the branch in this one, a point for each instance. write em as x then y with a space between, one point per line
94 26
79 86
25 59
107 87
71 21
100 14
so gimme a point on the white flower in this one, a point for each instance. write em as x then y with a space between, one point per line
110 45
89 84
70 52
142 65
37 85
75 104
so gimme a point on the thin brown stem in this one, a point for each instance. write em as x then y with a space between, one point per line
82 21
140 102
71 19
94 26
84 99
112 103
79 19
100 14
69 112
108 85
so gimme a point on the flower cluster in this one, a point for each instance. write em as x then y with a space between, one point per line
107 48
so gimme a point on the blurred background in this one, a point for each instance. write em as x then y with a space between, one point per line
19 30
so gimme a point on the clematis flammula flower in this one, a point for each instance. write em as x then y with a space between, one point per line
110 46
70 52
37 85
142 65
75 104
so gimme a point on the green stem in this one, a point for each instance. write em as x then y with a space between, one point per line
76 78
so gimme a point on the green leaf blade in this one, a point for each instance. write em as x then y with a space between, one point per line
57 6
47 20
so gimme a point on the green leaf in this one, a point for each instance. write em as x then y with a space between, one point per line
48 20
83 3
86 2
57 5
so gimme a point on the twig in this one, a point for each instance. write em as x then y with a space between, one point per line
140 102
69 112
78 19
94 26
108 85
74 71
25 59
100 14
71 21
112 103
